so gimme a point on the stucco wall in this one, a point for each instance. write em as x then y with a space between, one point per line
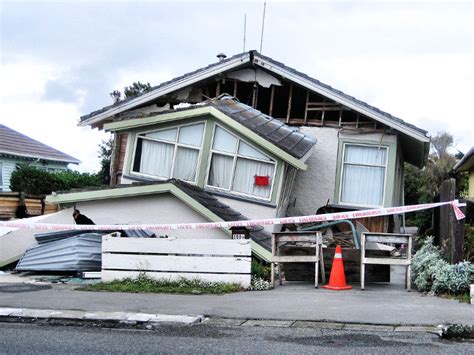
315 186
251 210
156 209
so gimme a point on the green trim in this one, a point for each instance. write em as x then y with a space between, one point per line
390 171
10 260
261 252
180 115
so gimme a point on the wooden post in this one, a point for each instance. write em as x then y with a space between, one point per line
306 108
235 88
218 88
290 96
272 95
114 158
451 231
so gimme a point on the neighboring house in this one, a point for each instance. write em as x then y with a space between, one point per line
252 145
16 148
466 164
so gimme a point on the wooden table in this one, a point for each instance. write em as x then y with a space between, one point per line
298 239
388 260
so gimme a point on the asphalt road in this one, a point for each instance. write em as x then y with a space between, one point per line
46 339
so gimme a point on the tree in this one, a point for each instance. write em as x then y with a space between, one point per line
133 90
105 154
422 185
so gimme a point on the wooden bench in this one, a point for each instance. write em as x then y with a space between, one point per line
298 239
387 260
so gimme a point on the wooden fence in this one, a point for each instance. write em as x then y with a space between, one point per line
214 260
36 206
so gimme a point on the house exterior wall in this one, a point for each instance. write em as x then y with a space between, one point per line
471 184
315 186
151 209
8 166
320 182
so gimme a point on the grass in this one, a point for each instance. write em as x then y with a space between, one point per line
145 284
464 297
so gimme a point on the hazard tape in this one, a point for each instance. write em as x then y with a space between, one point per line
23 224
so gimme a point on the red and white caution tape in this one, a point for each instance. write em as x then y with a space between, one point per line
25 224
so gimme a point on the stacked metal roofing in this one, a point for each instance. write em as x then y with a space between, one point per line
78 253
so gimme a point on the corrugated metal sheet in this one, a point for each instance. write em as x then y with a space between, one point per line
139 233
79 253
49 237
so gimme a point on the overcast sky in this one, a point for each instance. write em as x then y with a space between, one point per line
60 60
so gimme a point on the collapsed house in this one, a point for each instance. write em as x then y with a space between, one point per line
272 142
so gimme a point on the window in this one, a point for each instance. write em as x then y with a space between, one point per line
234 165
167 153
363 175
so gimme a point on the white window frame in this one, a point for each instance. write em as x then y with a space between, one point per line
176 144
375 146
235 156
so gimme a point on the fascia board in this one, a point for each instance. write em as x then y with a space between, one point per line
174 116
173 86
107 193
331 95
21 155
159 118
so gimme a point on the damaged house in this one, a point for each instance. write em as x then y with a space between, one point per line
249 137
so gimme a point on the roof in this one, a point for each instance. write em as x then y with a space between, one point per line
17 144
466 163
202 197
253 57
287 138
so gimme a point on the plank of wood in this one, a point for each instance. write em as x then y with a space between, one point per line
272 95
290 98
168 263
294 259
243 280
230 247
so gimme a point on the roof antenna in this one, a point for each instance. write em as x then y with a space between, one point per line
245 28
263 25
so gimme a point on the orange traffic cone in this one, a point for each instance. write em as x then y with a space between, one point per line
337 280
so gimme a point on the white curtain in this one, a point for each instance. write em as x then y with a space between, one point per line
221 171
362 183
244 177
185 164
156 158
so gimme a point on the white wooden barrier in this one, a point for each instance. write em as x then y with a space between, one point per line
215 260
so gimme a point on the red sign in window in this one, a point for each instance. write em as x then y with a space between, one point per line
262 180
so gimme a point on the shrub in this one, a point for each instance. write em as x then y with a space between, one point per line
259 284
260 270
433 274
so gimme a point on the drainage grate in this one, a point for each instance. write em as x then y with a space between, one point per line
17 288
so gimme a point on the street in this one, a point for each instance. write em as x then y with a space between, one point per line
47 339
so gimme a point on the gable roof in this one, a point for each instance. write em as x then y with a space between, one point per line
288 139
255 58
207 204
17 144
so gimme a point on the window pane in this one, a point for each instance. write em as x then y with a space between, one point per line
245 149
363 185
166 135
156 158
356 154
186 163
221 171
191 135
244 178
224 141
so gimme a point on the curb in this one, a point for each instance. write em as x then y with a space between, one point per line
96 319
147 321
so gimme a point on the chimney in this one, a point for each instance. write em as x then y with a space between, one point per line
221 56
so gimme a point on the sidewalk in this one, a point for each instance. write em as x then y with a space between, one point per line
378 304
